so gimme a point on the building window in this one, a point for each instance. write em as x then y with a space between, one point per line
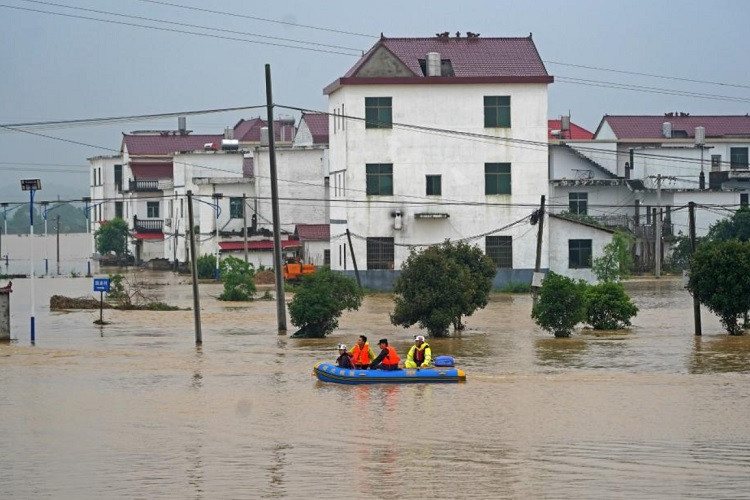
379 179
378 112
715 163
743 200
379 253
327 257
434 185
497 178
118 209
118 178
235 208
738 158
579 254
500 250
578 203
497 111
152 209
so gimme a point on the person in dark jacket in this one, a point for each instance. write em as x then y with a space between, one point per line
387 359
345 359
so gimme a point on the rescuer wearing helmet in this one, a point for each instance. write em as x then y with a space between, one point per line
420 354
345 359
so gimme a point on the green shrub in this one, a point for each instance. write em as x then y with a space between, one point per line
617 261
608 307
516 287
560 306
320 300
207 266
237 276
116 286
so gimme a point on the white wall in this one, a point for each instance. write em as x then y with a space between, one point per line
560 232
459 160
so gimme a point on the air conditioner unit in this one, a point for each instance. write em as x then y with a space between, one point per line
168 222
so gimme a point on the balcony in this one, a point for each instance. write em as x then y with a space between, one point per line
150 226
149 185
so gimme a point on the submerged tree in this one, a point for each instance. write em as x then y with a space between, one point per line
560 306
319 301
440 285
608 307
237 276
617 261
112 236
720 280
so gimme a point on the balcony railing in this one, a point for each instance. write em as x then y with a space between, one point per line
148 225
146 185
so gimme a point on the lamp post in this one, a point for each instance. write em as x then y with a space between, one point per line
32 186
217 197
45 204
86 201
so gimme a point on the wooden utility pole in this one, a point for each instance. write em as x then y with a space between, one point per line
194 272
280 301
354 259
539 234
696 303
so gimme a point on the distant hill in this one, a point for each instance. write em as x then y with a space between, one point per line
72 219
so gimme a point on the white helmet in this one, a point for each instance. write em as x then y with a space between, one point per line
342 346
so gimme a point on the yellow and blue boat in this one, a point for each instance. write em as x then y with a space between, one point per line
328 372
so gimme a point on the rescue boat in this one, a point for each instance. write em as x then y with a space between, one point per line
328 372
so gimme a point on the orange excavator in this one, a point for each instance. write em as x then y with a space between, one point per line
294 270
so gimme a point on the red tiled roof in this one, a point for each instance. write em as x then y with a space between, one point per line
256 245
470 57
149 236
157 144
318 125
650 127
313 232
575 132
151 170
249 130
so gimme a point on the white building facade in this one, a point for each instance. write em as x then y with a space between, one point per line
435 139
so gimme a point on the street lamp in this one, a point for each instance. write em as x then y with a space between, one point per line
45 204
217 197
32 186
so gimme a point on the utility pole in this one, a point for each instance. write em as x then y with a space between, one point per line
280 302
696 304
244 223
354 260
194 273
58 245
657 239
539 234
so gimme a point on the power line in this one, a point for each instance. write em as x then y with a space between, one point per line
171 30
221 30
255 18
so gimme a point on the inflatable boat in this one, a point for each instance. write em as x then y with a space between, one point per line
328 372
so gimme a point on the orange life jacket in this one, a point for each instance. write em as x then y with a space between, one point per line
391 358
361 356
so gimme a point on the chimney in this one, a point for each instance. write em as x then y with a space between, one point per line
264 136
182 125
228 133
433 64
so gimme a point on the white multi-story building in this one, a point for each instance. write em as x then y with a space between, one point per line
433 139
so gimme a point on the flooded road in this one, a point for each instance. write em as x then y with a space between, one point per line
135 410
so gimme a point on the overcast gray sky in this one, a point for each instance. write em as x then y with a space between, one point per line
60 67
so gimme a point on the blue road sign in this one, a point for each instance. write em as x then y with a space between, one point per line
101 284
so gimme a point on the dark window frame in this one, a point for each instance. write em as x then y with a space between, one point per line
380 253
378 112
236 208
434 185
578 203
119 209
379 179
738 158
497 179
497 111
580 254
500 250
152 209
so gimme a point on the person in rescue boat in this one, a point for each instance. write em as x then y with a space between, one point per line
345 359
420 354
387 359
361 353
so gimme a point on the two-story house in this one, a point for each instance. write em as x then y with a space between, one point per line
438 138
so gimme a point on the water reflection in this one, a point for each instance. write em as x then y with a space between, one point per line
561 352
723 354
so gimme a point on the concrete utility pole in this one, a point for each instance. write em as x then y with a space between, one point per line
58 245
280 302
657 237
696 304
244 223
354 260
194 273
539 234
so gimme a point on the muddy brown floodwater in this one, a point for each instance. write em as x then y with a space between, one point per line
134 410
